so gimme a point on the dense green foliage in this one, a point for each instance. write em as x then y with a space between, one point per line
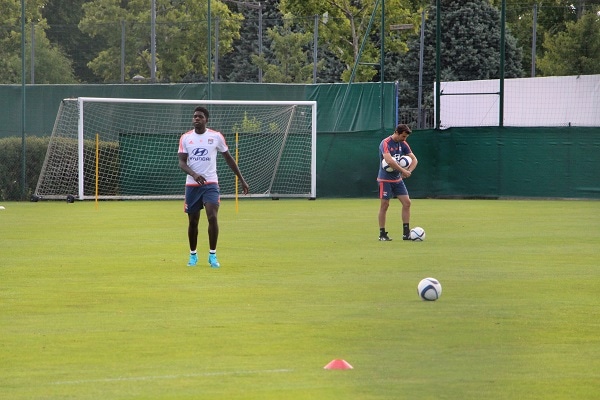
96 302
82 40
11 163
344 25
290 59
470 50
575 51
52 65
552 19
63 17
179 53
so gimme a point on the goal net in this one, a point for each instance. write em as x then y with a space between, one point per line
110 148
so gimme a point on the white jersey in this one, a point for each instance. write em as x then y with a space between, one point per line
202 150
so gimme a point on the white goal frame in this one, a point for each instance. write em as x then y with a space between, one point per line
82 136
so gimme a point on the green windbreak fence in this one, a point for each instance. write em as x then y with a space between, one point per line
470 162
341 107
162 169
459 162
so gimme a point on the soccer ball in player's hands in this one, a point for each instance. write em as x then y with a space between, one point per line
403 161
386 166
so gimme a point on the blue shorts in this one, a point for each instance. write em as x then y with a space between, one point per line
197 196
387 190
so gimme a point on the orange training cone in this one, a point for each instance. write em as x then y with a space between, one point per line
338 364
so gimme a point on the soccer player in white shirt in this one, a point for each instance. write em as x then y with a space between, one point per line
198 151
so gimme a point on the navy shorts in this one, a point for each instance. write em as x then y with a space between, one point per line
197 196
387 190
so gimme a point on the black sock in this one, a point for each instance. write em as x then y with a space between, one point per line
406 229
382 231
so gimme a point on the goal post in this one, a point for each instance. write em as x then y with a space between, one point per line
119 148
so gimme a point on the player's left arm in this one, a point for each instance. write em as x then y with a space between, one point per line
408 152
414 162
236 170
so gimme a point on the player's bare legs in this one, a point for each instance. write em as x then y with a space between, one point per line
193 219
383 208
405 200
193 230
212 211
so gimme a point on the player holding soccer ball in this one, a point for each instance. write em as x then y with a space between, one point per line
198 151
391 184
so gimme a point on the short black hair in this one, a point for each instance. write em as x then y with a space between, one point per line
203 110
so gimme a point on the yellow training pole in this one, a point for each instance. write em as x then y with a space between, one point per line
97 165
236 178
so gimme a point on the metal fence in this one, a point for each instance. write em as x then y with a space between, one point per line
410 117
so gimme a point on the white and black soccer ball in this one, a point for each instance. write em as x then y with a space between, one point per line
405 161
386 166
417 234
429 289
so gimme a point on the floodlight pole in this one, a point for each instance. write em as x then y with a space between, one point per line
421 50
438 50
406 27
209 51
534 40
502 61
23 104
382 64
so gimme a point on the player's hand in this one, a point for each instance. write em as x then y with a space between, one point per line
245 187
200 179
406 173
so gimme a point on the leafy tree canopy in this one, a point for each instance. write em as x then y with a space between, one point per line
470 49
575 51
288 47
51 65
181 45
345 24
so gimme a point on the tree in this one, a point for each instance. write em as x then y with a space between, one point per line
50 63
346 25
575 51
181 46
63 16
288 47
552 18
237 65
470 49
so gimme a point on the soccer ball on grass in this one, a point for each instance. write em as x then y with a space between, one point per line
429 289
417 234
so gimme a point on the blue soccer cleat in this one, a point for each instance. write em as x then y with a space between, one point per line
212 260
193 260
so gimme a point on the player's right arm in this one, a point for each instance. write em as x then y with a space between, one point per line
183 157
391 161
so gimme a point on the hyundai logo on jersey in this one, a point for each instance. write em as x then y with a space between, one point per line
200 154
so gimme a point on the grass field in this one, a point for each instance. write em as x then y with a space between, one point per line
97 303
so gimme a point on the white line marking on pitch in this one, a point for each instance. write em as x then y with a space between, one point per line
151 378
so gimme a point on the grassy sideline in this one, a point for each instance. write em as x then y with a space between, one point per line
98 303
